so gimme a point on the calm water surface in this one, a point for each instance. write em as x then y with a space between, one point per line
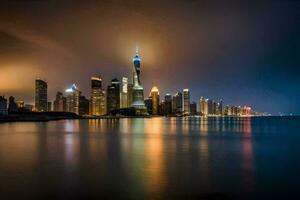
155 158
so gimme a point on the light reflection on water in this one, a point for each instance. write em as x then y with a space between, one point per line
154 158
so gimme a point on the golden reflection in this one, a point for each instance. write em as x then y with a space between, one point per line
203 125
204 160
155 165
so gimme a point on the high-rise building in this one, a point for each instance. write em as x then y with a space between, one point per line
49 106
138 90
12 105
202 106
84 105
97 104
3 105
209 107
186 101
124 93
113 95
154 94
215 108
148 104
221 107
41 98
168 104
129 94
177 103
73 95
193 108
60 103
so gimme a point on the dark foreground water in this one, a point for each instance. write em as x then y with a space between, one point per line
157 158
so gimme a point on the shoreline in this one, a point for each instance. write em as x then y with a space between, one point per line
45 117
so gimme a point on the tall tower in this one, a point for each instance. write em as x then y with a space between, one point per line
154 94
113 95
41 99
124 93
97 104
186 101
138 90
73 96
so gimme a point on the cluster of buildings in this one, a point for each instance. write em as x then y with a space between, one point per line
121 98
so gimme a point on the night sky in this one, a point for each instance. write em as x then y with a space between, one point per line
245 52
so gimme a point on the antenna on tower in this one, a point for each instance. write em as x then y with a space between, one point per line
136 49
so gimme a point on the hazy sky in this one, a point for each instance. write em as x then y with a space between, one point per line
245 52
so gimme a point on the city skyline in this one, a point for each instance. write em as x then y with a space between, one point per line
246 55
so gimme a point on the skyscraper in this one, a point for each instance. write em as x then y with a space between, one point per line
148 104
129 94
154 94
193 108
221 107
177 103
3 105
209 107
60 103
186 101
113 95
168 104
202 106
12 106
138 90
41 98
124 93
97 103
73 95
84 105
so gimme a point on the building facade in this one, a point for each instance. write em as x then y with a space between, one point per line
113 95
177 103
124 93
154 94
60 103
3 106
97 102
41 95
186 101
73 96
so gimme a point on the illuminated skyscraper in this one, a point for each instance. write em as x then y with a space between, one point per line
177 103
202 106
154 94
209 107
138 90
124 93
41 98
73 96
113 95
221 107
97 103
60 102
186 101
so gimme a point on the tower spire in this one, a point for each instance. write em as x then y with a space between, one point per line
136 49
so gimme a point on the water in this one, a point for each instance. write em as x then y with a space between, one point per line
154 158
